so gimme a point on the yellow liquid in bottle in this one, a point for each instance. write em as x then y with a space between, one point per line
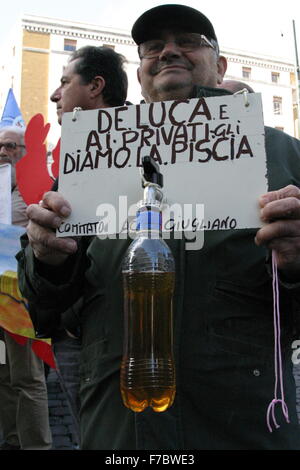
147 370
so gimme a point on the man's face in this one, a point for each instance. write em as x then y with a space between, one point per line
14 149
173 73
71 93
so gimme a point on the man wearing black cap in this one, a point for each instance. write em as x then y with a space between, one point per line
178 50
223 309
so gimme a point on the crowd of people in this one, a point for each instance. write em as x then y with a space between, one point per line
223 300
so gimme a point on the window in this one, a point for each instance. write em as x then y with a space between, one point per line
292 79
246 72
277 104
275 77
70 45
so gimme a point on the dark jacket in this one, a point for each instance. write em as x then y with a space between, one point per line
223 315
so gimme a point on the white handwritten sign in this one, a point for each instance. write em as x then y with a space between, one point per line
211 152
5 193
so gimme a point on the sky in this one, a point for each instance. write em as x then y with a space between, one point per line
259 26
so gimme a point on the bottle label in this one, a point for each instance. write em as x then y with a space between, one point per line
148 220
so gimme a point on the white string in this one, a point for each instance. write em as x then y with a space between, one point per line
75 111
245 93
278 387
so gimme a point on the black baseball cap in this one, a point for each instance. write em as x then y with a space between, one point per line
171 15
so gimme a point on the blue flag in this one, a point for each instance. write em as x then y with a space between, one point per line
11 113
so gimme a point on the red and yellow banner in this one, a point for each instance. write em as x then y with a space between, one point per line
15 319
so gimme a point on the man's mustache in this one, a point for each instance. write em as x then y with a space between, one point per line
159 65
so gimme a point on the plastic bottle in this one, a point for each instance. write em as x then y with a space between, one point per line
148 370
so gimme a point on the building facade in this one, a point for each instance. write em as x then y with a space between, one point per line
275 79
33 60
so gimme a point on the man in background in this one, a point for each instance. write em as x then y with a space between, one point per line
24 421
93 78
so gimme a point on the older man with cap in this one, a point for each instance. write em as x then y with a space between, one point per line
223 308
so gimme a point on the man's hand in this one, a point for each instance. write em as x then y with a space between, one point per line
280 210
44 219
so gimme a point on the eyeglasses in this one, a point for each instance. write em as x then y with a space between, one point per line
10 145
185 42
